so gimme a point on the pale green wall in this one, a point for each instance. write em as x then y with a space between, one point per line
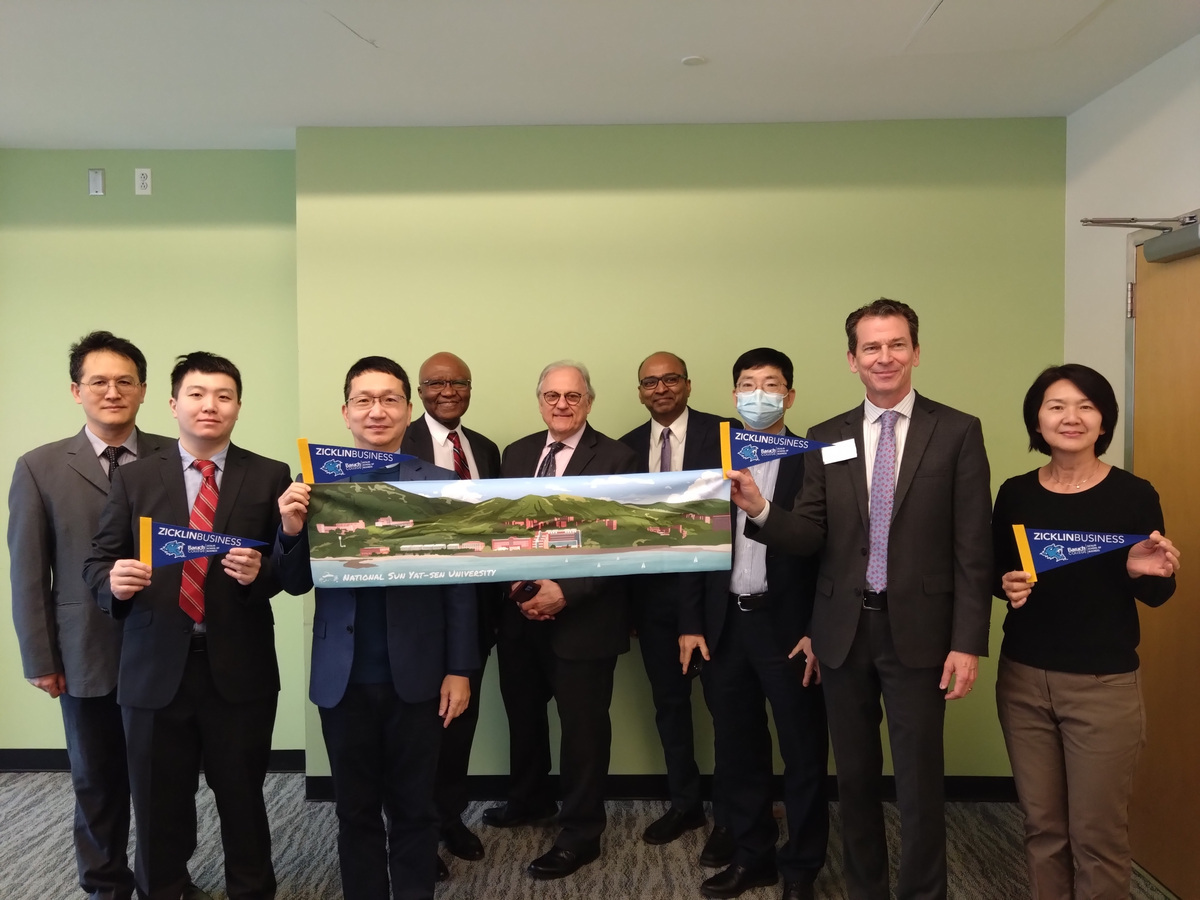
514 246
517 246
206 262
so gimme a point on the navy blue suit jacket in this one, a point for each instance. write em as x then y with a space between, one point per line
431 629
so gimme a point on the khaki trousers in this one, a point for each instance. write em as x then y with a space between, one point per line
1073 741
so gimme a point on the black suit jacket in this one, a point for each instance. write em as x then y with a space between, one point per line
418 442
790 579
157 633
595 622
939 543
58 492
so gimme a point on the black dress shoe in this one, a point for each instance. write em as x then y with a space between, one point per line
191 892
718 849
560 862
505 817
737 879
461 841
798 890
672 825
443 871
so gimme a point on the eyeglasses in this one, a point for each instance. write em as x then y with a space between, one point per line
650 382
390 402
770 387
99 386
437 385
552 397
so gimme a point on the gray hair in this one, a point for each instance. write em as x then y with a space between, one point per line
567 364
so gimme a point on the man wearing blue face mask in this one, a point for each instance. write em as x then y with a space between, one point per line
751 624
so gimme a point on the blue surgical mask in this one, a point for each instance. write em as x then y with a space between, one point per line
760 410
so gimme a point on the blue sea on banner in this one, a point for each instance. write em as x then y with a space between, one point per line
175 543
749 448
1052 549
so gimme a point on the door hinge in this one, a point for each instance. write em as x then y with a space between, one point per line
1130 304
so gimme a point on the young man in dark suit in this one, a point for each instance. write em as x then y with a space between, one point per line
69 648
900 512
562 643
198 682
750 625
440 438
390 669
676 438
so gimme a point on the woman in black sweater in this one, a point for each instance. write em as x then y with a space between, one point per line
1067 690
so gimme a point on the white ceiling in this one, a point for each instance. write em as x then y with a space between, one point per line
244 73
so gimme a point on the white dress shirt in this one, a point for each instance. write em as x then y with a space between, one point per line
678 430
443 450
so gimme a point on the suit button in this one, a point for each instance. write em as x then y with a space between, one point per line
349 629
865 551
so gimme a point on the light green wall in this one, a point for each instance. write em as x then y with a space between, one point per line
206 262
517 246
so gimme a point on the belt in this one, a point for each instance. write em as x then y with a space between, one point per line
876 601
199 642
749 602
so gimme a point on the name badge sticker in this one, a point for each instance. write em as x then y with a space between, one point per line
838 452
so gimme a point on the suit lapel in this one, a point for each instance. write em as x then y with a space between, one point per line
231 484
852 429
695 445
920 430
173 486
83 459
583 453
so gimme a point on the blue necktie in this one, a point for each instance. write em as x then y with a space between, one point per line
883 493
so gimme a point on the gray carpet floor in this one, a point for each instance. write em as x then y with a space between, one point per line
36 861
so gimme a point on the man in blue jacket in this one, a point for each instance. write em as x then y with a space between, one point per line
390 669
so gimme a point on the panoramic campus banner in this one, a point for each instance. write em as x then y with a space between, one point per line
372 533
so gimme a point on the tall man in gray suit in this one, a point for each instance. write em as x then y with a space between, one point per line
69 648
900 511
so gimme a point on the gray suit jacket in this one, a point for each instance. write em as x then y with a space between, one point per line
939 544
54 504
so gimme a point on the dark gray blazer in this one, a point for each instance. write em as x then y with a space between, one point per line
939 544
54 504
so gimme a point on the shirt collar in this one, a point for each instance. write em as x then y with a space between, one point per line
678 429
439 432
871 412
218 457
571 441
99 446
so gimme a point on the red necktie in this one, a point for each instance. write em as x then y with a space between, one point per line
204 510
461 469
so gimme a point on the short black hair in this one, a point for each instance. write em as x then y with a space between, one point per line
763 356
678 358
100 341
377 364
206 364
880 308
1091 384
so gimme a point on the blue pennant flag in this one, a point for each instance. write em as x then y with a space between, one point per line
162 545
741 449
1043 549
325 463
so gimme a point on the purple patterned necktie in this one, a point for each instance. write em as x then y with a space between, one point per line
883 492
664 458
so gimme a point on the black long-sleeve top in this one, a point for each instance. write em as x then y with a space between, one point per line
1081 617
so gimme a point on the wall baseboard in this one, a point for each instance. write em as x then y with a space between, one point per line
56 761
959 788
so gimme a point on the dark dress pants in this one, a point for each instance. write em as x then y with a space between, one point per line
167 747
656 618
748 669
450 785
383 754
100 779
916 712
530 675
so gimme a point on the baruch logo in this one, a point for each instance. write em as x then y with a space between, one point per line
333 468
173 549
750 454
1054 553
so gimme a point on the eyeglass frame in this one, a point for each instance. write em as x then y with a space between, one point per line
545 396
650 382
99 386
356 403
460 385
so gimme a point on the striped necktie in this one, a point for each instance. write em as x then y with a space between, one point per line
461 469
204 511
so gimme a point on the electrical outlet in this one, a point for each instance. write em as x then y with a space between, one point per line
96 182
141 181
